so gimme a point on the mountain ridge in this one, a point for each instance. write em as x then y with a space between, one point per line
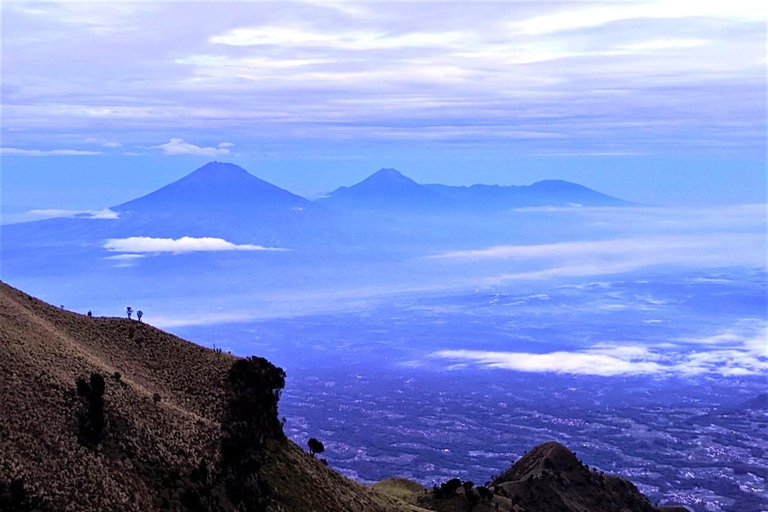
227 188
223 200
389 189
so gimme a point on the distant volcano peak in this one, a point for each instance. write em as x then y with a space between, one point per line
556 185
386 189
389 176
220 170
217 186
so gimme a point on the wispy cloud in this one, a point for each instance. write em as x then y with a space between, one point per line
743 352
149 245
624 239
592 248
46 152
581 363
103 142
615 256
357 40
596 15
179 147
721 219
595 78
52 213
125 257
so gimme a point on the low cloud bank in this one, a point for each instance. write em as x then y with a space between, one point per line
741 351
149 245
53 213
180 147
615 256
579 363
47 152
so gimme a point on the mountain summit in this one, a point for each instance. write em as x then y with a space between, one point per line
217 185
221 200
387 177
386 189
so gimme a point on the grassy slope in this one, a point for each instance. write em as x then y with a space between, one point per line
45 349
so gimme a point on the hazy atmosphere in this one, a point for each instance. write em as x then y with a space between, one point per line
463 229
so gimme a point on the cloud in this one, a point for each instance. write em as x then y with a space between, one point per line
718 248
179 147
598 15
600 78
616 246
664 220
143 244
746 354
49 152
128 256
103 142
52 213
356 40
579 363
750 335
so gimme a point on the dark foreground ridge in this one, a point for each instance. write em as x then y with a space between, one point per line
112 414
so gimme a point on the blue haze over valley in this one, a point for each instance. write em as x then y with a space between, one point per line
567 240
431 331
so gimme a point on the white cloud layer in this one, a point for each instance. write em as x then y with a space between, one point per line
632 238
742 351
596 15
149 245
52 213
103 142
593 77
48 152
581 363
179 147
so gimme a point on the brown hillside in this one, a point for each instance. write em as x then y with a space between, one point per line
550 478
148 447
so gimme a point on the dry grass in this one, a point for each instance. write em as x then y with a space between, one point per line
45 349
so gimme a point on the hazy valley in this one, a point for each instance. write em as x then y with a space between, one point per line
441 332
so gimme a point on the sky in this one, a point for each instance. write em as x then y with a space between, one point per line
656 102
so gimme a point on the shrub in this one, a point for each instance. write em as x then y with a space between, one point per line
156 398
90 420
484 493
315 446
250 420
450 487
